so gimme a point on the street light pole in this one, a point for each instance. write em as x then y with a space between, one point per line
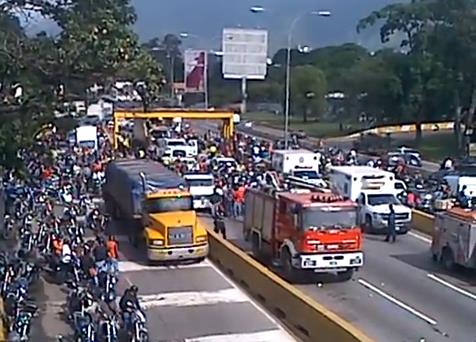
287 99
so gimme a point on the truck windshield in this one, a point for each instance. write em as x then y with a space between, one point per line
176 143
87 144
382 199
199 182
332 217
306 174
167 204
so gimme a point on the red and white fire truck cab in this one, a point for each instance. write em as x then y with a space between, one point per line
306 233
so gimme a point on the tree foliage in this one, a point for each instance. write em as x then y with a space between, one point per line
96 44
308 88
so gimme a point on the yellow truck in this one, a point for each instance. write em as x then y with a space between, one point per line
156 206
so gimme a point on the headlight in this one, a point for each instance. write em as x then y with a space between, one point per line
202 238
157 242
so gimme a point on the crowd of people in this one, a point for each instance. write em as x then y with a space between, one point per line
54 224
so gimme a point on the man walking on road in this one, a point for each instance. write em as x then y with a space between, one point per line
391 229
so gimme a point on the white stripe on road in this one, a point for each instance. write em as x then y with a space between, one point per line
261 336
420 237
193 298
130 266
451 286
397 302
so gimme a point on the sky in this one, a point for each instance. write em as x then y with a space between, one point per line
205 19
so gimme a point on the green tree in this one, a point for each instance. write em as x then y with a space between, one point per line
373 88
96 44
308 90
414 22
265 91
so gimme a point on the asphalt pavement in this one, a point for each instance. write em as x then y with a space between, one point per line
399 294
187 302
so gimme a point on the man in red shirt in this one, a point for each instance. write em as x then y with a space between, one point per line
238 200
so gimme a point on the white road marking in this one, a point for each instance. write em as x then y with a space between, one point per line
252 301
130 266
420 237
192 298
397 302
261 336
451 286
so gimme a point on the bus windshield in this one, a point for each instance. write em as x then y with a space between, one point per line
168 204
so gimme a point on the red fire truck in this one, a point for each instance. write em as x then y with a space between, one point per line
306 233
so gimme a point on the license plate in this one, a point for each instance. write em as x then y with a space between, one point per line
333 263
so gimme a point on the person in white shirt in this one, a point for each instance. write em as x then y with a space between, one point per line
66 253
448 164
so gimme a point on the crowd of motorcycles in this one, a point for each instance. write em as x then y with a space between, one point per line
40 242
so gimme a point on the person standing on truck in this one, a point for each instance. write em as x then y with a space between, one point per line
391 229
462 198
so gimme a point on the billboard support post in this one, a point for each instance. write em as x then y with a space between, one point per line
244 95
205 88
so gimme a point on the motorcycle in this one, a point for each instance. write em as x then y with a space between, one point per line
109 291
109 330
139 328
22 324
84 328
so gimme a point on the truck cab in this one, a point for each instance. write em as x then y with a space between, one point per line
202 188
177 147
374 209
170 236
305 232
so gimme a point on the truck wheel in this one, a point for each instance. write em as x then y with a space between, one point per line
447 259
345 275
290 274
368 224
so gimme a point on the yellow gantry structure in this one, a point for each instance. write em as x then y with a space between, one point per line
171 113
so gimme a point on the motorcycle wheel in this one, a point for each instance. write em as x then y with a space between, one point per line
143 336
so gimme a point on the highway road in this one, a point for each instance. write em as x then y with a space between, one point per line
399 295
194 302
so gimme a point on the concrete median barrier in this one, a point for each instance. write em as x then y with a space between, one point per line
422 222
3 318
305 318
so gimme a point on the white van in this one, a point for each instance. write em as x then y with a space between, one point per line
285 161
202 188
350 181
373 190
87 136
